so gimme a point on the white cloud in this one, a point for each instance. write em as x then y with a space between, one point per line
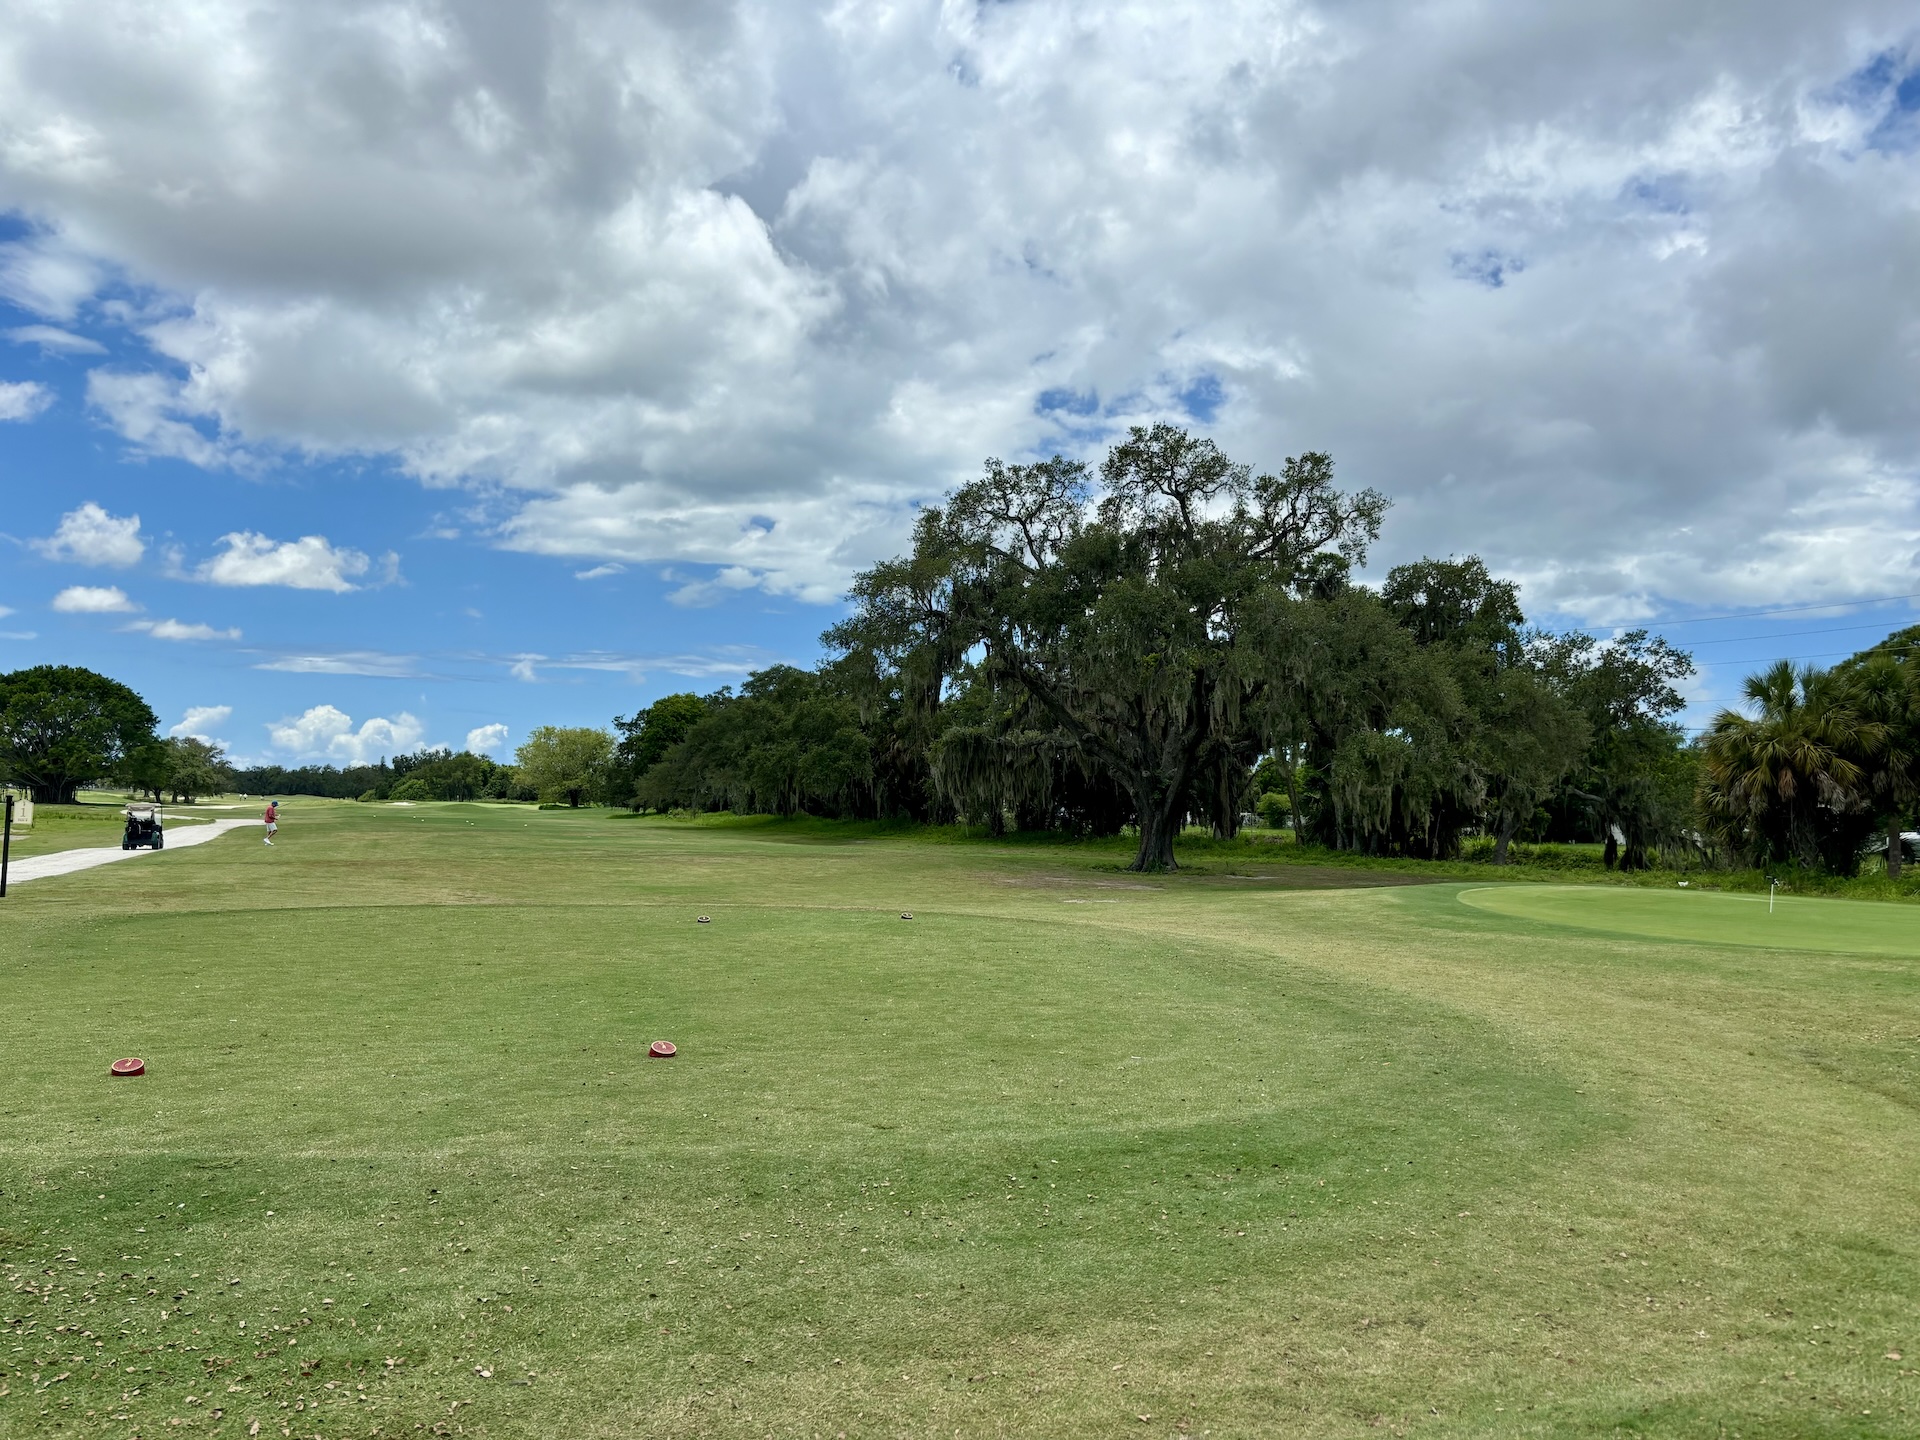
5 610
93 600
486 738
309 563
714 589
57 341
326 733
599 572
181 630
728 661
729 288
90 536
44 275
347 662
23 399
201 721
146 409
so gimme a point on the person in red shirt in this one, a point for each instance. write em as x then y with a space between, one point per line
273 819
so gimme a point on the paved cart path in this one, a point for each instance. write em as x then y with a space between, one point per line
66 862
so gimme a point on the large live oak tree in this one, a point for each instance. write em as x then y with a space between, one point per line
1119 608
62 727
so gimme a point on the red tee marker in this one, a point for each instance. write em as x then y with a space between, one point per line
662 1050
129 1066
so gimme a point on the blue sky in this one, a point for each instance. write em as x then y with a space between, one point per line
476 367
460 636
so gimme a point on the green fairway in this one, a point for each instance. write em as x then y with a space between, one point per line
1792 922
1070 1152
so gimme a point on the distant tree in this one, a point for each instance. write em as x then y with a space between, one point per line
404 765
62 727
444 775
1791 779
1120 617
1624 783
1374 718
1456 603
658 728
195 768
650 733
995 767
565 763
1883 686
507 784
352 783
789 742
1530 738
145 769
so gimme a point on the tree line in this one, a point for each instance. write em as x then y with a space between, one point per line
1177 639
1173 639
63 728
554 764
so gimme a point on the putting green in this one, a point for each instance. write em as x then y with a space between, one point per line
1796 923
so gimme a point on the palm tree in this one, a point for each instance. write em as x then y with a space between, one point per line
1792 781
1882 687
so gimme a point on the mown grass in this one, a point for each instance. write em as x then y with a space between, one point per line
1303 1154
1541 863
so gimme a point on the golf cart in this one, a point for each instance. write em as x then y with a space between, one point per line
143 828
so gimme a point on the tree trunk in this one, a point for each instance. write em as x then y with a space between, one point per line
1612 856
1159 823
1893 852
1502 836
1293 795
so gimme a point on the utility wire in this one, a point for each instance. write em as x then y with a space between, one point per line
1829 655
1792 634
1762 614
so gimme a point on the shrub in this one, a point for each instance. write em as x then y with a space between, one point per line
411 790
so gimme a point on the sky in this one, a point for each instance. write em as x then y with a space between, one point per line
386 374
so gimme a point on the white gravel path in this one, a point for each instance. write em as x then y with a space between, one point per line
66 862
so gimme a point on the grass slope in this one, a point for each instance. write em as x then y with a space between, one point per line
1066 1150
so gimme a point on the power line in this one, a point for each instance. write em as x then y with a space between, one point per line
1762 614
1829 655
1792 634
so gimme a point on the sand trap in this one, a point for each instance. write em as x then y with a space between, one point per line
66 862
